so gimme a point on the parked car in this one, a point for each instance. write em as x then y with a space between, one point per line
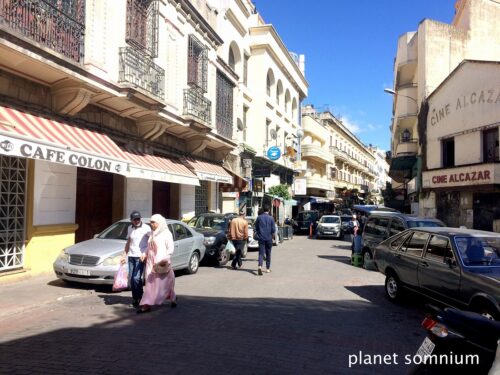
329 225
455 266
214 227
303 221
96 261
382 225
252 242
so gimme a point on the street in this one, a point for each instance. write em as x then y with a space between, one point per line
314 313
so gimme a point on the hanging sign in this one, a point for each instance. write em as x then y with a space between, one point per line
273 153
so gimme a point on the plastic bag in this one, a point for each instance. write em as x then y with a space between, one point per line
230 247
121 278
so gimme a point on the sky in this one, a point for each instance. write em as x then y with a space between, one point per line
349 48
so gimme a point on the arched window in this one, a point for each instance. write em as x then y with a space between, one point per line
294 109
287 101
269 82
279 92
230 59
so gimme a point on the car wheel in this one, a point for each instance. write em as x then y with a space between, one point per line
244 251
487 311
367 258
392 287
223 256
194 263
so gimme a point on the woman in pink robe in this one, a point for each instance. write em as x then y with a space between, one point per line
159 286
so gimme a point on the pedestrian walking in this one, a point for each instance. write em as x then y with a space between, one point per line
135 249
356 235
238 233
160 277
265 228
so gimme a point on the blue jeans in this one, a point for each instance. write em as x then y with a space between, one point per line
265 248
135 270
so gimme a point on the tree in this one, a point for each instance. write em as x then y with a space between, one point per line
280 191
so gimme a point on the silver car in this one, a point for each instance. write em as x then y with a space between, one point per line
96 261
329 225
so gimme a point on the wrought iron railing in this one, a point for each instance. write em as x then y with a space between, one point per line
138 69
47 24
224 126
142 25
196 105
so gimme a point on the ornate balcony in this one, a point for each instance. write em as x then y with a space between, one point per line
196 105
139 70
59 26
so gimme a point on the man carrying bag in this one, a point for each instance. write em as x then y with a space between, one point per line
238 234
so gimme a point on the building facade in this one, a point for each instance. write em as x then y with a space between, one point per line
107 107
339 170
424 60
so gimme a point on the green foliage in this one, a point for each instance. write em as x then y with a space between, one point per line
280 191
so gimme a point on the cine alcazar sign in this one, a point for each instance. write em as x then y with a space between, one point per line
484 174
22 148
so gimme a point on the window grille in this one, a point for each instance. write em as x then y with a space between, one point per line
142 25
12 216
201 198
56 24
224 106
197 64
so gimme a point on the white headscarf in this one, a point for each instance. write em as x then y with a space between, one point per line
162 225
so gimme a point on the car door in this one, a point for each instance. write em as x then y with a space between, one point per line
439 273
184 244
409 256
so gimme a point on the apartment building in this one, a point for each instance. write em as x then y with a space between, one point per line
435 136
339 169
269 86
107 107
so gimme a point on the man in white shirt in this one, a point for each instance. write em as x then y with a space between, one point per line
135 248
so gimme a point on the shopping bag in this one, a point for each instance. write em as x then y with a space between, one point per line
230 247
121 278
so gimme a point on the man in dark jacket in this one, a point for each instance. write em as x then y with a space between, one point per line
264 228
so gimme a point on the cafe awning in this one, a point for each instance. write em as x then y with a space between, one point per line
35 137
159 168
207 171
239 183
402 168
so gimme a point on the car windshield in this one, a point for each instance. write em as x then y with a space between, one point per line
330 219
424 223
117 231
479 251
213 222
303 216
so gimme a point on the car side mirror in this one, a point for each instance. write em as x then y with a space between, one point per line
95 235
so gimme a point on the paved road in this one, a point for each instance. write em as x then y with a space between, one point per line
312 314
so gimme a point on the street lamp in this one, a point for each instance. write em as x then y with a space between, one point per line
392 92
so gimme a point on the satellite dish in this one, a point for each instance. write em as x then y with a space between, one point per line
274 134
240 125
300 133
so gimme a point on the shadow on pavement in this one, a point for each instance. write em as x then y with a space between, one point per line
341 259
220 335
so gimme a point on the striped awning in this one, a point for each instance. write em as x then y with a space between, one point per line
209 171
239 183
35 137
159 168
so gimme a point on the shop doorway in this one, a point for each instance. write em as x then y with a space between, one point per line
484 206
161 199
94 202
448 208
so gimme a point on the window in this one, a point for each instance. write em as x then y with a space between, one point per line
448 148
396 227
415 244
438 248
180 232
231 60
197 64
394 245
490 145
245 69
142 25
245 113
224 106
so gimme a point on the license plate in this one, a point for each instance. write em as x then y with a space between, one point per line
426 348
79 272
303 228
328 232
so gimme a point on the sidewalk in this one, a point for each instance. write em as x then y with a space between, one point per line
28 294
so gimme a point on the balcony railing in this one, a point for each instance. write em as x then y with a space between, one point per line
196 105
407 147
137 69
46 24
